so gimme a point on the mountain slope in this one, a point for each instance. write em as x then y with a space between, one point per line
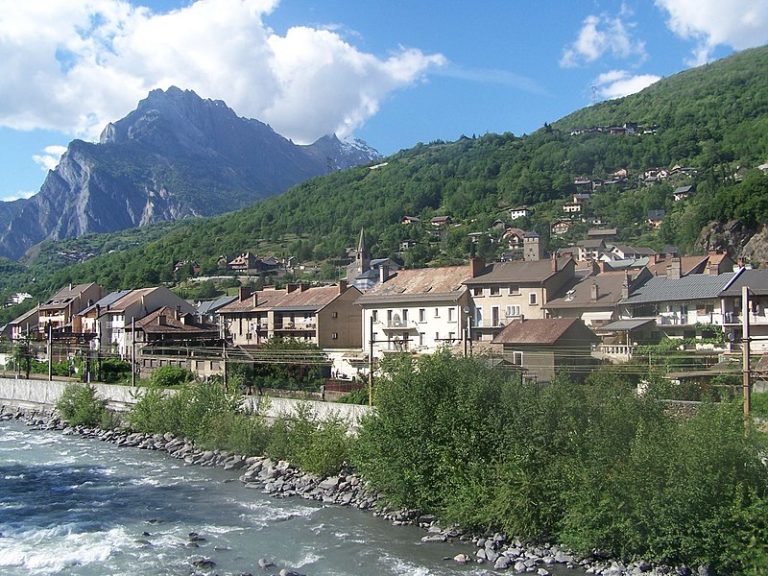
475 180
175 156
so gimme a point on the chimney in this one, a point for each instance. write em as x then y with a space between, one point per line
554 262
161 320
342 286
243 292
255 297
625 286
383 274
476 266
594 292
290 287
674 269
178 311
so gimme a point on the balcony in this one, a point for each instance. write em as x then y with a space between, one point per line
399 325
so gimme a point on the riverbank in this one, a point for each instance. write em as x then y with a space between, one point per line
282 480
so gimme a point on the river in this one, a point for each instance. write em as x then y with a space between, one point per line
73 506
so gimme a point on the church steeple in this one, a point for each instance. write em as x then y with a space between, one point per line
362 259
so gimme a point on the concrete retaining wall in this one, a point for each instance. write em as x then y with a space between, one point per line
43 393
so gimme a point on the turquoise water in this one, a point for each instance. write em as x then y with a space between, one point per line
71 506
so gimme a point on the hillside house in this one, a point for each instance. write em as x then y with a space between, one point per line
656 218
408 220
602 233
519 212
26 324
682 192
590 249
561 226
542 348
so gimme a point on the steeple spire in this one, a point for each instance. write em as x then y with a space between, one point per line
362 259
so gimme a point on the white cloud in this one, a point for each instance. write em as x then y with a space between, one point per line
21 194
739 24
603 35
619 83
74 66
50 157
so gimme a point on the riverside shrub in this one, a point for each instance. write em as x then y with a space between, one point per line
590 465
79 405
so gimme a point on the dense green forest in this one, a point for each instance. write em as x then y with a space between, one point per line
712 118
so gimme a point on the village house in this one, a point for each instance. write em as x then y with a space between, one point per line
117 317
417 310
504 291
410 220
682 192
602 233
679 305
168 337
561 226
732 305
595 298
590 249
656 218
321 315
545 347
25 325
59 313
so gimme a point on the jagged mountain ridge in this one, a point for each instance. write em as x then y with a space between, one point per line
175 156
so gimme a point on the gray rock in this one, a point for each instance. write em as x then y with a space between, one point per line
502 563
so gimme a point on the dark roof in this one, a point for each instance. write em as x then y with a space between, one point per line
211 306
518 272
609 286
166 320
756 280
693 287
542 331
63 297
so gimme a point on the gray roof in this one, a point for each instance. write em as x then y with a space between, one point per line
692 287
756 280
211 306
108 300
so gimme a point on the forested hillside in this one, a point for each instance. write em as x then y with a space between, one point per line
712 119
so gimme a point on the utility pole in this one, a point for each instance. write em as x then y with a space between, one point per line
224 362
370 364
745 381
49 345
133 351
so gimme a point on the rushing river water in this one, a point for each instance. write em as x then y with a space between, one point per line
72 506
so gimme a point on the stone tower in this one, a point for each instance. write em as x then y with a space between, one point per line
532 248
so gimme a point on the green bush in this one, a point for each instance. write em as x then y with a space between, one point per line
79 405
170 376
590 465
320 447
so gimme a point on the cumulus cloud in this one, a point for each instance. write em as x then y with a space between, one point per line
603 35
74 66
739 24
619 83
50 157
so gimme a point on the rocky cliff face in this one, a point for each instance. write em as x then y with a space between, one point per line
175 156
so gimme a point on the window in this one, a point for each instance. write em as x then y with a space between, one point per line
334 335
451 336
479 317
405 315
517 358
437 336
514 290
532 298
421 338
389 317
375 315
450 314
477 291
437 312
495 291
512 311
422 314
334 314
495 316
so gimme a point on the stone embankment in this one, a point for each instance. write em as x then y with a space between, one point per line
282 480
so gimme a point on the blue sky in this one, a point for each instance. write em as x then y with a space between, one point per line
392 72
